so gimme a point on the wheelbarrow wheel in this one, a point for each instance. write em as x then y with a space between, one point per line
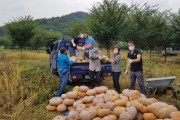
170 92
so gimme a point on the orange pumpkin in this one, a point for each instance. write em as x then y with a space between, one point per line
83 88
50 108
72 95
109 105
110 117
129 114
76 88
80 107
55 101
81 94
140 107
76 103
104 112
175 115
111 97
101 89
149 116
91 92
98 100
59 117
145 101
88 99
134 95
61 108
73 115
68 101
120 102
118 110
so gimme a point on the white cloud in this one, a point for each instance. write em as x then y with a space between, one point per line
50 8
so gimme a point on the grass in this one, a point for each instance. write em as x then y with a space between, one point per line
26 83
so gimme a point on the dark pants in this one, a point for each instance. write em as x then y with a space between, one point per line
139 76
98 77
115 76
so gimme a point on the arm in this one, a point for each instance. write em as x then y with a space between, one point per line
72 41
115 60
69 62
87 46
138 59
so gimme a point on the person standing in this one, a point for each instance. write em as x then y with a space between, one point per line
63 69
134 62
95 57
89 44
74 43
116 68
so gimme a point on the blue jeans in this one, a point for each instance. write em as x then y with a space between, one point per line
63 81
115 76
139 76
72 51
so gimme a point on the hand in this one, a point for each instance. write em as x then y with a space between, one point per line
83 48
74 45
100 58
130 61
111 60
126 72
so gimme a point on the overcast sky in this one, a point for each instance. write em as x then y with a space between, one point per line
52 8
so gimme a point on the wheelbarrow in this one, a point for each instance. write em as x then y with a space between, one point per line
159 83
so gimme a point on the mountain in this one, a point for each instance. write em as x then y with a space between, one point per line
59 23
63 22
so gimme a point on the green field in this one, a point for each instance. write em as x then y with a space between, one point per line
26 83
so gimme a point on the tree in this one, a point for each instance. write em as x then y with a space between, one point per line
106 22
5 42
21 30
77 28
42 38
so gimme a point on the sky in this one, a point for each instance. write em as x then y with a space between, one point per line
10 9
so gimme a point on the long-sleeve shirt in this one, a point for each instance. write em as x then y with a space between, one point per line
64 62
94 63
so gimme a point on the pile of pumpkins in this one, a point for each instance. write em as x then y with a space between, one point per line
100 103
77 59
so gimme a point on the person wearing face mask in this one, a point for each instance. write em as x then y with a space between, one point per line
116 68
63 69
95 57
134 62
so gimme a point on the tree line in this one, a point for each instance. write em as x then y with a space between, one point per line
110 22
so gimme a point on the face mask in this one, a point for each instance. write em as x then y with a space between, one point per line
95 49
131 48
115 51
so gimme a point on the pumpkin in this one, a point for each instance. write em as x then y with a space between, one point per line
159 109
89 105
80 107
97 118
79 48
73 58
50 108
171 109
63 96
83 88
73 115
101 89
153 99
140 107
88 99
68 101
70 108
100 95
120 102
134 95
110 117
99 106
76 88
92 112
129 114
109 105
91 92
118 110
81 94
72 95
98 100
76 103
128 104
145 101
126 92
111 97
139 116
175 115
55 101
59 117
104 112
111 92
85 115
124 97
149 116
61 108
